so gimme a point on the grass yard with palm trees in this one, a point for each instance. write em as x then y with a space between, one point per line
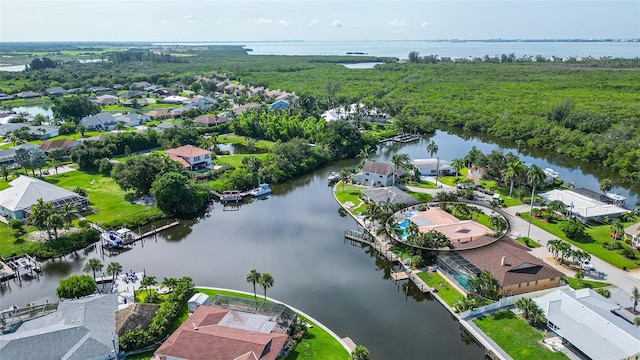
591 242
348 192
446 291
515 336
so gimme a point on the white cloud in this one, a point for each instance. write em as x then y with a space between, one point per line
283 23
398 23
424 24
313 22
227 20
336 23
264 21
190 18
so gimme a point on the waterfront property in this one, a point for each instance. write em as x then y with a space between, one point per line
16 201
191 157
591 324
431 167
584 205
378 174
232 328
79 329
390 194
458 231
509 262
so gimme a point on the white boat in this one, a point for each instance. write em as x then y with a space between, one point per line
333 177
262 189
111 238
231 195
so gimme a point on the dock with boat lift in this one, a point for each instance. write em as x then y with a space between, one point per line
402 138
237 195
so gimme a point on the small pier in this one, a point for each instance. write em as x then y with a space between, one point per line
401 138
18 267
151 232
234 196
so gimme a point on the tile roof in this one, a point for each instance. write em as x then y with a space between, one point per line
202 337
187 151
520 266
209 119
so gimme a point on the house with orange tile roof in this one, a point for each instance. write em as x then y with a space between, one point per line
191 157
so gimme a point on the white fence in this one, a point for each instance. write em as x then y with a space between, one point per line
504 302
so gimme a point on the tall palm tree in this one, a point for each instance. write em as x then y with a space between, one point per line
266 281
93 265
530 310
432 149
253 277
147 282
67 211
635 297
344 175
457 164
4 170
535 175
114 269
617 230
39 216
398 161
514 171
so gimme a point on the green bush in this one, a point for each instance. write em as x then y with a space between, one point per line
628 253
573 229
67 244
604 292
134 220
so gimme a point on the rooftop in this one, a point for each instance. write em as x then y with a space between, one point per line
582 205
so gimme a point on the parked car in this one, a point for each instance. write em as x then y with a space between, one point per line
586 265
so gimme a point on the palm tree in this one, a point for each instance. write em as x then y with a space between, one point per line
617 230
565 250
367 152
485 286
554 247
360 353
530 310
605 185
432 149
266 281
81 129
93 265
635 296
40 214
398 161
114 269
579 276
535 176
5 172
170 282
67 211
514 171
457 164
344 175
253 277
147 282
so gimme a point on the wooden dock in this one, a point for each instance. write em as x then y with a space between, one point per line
401 138
151 232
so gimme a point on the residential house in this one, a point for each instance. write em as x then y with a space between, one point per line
101 121
135 103
132 119
222 332
584 204
509 262
7 157
290 97
55 91
166 125
203 103
118 86
38 132
27 95
390 194
177 112
590 323
209 120
79 329
140 85
64 144
17 200
106 100
191 157
97 89
164 92
173 99
431 167
242 108
158 114
279 105
376 174
4 97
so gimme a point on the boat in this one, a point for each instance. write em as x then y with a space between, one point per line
231 195
333 177
262 189
111 238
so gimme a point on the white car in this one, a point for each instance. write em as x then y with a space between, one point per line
586 265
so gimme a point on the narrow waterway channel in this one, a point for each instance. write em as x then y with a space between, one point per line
297 236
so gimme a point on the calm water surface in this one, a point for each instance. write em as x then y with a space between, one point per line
297 235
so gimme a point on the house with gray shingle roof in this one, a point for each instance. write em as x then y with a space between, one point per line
55 91
391 194
101 121
79 329
377 174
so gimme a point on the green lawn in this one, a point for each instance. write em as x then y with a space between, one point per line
420 196
315 344
423 184
142 356
591 242
235 139
532 244
235 160
504 195
515 336
106 197
446 292
585 283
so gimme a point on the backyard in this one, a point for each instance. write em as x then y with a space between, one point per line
445 291
515 336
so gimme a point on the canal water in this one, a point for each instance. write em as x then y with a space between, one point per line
296 234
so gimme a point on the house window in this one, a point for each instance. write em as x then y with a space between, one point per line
552 279
519 285
536 282
527 284
366 174
380 176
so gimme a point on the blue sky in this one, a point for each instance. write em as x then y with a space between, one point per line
247 20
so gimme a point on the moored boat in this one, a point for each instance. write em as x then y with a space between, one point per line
333 177
262 189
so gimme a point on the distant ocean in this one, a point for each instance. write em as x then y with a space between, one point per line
401 49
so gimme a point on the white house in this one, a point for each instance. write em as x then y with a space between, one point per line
429 167
378 174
